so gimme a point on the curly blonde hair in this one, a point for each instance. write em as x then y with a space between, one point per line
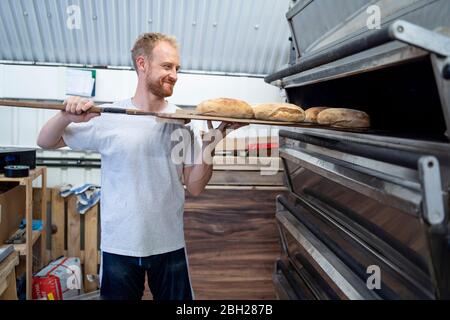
146 42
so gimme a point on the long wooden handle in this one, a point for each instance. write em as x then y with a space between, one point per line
40 105
60 106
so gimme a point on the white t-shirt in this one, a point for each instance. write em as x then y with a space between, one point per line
142 198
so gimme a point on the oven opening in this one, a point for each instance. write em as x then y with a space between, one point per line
401 100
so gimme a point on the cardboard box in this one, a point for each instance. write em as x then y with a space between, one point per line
59 280
12 210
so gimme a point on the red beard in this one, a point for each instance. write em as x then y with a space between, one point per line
161 89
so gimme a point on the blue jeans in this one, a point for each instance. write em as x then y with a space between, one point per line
123 277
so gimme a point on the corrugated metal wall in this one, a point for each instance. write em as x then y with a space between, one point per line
74 176
232 36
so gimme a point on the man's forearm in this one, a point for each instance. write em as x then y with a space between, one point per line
50 136
200 174
199 178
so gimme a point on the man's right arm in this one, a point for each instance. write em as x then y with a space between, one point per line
50 136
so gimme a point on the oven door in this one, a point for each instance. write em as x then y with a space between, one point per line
340 258
355 234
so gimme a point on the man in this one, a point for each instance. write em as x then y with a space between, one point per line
142 195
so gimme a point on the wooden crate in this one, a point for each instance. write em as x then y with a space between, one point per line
77 235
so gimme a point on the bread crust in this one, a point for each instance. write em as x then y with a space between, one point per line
312 113
225 107
279 112
344 118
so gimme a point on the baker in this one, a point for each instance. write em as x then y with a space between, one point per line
142 199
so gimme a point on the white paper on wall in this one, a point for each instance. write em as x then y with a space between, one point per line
79 82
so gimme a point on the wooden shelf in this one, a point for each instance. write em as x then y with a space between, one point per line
8 278
25 249
10 261
33 175
22 247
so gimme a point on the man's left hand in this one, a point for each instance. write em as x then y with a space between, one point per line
224 129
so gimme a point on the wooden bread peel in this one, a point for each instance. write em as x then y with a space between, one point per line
181 116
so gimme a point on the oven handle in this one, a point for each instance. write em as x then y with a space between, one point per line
399 157
400 258
343 277
400 30
382 190
295 287
374 39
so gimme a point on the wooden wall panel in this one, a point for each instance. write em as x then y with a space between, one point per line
232 243
73 225
58 219
91 260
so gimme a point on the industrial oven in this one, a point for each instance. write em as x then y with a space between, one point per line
366 216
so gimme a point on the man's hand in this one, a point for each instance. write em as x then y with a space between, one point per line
197 177
213 136
77 109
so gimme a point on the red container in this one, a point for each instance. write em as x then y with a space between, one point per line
47 288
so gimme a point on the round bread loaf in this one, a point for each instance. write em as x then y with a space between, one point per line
312 113
225 107
279 112
344 118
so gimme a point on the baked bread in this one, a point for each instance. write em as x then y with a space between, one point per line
312 113
344 118
225 107
279 112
